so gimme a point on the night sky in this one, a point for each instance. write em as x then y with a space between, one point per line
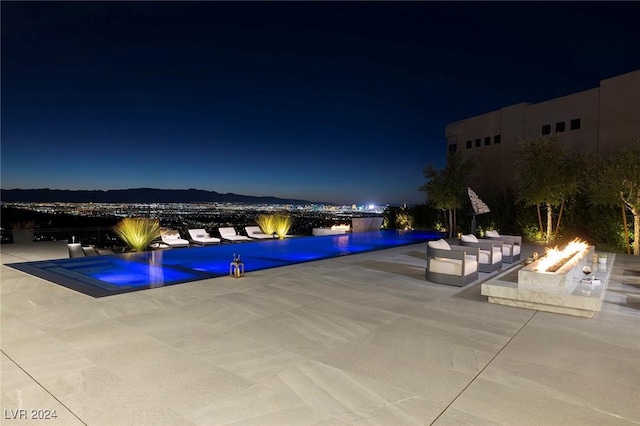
327 101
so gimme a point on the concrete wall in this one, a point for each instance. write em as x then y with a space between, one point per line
582 105
619 112
609 120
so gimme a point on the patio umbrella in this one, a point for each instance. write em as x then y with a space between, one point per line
479 207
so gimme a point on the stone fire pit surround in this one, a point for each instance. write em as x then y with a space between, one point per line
570 271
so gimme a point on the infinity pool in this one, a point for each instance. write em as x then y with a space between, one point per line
100 276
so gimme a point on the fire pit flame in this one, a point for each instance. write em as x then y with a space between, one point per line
556 257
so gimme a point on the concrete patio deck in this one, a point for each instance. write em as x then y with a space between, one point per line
362 339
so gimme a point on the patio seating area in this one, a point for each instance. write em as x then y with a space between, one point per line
360 339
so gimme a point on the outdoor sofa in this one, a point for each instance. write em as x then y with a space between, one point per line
511 245
490 252
451 264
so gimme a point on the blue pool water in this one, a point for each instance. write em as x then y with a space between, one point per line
100 276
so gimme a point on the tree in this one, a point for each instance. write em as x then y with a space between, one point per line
447 188
546 174
616 181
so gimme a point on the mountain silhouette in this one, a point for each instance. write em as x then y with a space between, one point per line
137 195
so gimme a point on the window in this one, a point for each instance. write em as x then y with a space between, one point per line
496 139
468 144
575 124
453 147
478 142
546 129
560 127
487 140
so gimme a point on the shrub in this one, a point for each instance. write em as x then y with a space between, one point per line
282 223
138 233
266 223
404 220
532 233
398 218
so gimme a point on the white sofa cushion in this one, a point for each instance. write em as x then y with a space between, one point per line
506 249
497 255
485 255
439 244
452 266
492 234
469 238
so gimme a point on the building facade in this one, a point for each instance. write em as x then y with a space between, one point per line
600 120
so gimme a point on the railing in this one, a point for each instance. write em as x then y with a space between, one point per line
98 236
105 237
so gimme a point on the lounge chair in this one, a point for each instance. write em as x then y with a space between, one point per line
452 265
511 245
256 232
202 237
89 251
75 250
230 234
490 252
172 238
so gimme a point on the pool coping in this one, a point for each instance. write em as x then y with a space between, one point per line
51 271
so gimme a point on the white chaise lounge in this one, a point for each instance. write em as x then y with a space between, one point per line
511 245
256 232
172 238
490 252
202 237
230 234
450 264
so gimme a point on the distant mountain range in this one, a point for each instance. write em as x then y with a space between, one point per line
137 195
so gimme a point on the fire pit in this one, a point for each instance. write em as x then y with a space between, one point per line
557 267
553 283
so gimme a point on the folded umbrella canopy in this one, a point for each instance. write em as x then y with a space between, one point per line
479 207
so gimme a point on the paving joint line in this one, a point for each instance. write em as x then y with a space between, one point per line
484 368
41 386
